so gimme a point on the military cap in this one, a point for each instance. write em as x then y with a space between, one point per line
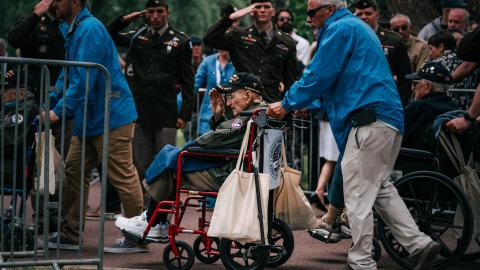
227 9
195 40
432 71
453 4
363 4
260 1
242 80
156 3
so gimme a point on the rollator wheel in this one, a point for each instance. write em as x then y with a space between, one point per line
436 204
377 250
200 249
282 243
237 256
184 261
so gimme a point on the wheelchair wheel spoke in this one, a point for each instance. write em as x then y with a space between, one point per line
417 204
433 198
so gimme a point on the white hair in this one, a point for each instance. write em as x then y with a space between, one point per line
439 87
401 16
336 3
466 14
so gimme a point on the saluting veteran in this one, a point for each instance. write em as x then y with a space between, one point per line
158 57
350 73
242 93
260 49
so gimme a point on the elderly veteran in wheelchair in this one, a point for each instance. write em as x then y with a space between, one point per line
242 93
431 100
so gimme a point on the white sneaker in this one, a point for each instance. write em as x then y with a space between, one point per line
137 225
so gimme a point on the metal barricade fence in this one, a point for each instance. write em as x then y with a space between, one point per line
21 246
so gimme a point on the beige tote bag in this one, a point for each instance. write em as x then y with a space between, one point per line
290 202
55 163
235 215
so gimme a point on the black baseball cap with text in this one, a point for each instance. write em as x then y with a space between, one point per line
242 80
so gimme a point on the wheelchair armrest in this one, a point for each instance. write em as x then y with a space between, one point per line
415 153
218 151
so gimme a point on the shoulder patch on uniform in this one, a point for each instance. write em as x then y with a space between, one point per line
237 123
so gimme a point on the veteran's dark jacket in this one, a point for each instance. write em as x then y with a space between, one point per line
419 117
273 63
226 133
153 69
396 52
38 37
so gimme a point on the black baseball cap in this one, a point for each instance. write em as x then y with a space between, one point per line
363 4
432 71
156 3
242 80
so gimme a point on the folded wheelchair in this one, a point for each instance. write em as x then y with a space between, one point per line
437 203
274 249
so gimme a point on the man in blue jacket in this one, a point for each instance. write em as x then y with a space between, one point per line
87 40
350 74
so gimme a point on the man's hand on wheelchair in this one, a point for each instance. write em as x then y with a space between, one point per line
276 110
458 125
53 116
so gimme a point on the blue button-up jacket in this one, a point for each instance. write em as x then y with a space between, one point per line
348 72
87 40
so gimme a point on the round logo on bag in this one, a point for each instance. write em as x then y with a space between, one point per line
275 157
17 119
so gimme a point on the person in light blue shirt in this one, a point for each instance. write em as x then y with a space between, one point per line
87 40
350 74
216 69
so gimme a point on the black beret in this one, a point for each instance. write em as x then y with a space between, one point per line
260 1
363 4
156 3
195 40
242 80
227 9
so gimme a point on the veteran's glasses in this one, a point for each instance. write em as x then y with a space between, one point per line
402 27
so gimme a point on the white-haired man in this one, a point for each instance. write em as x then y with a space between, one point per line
418 50
350 74
458 19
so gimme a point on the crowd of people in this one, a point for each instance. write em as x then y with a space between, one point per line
374 82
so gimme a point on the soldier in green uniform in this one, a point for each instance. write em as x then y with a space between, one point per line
158 57
242 93
393 46
259 49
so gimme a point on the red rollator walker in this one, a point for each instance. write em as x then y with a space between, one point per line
274 248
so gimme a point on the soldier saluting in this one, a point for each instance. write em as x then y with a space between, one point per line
158 57
259 49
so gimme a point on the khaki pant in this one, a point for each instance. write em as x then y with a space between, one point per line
368 160
121 173
164 187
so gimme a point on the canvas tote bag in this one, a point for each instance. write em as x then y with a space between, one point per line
235 215
468 180
290 202
56 166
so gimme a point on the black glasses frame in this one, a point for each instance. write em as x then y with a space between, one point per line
313 11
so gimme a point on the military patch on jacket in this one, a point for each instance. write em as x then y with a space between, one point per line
282 47
237 123
248 40
174 42
143 38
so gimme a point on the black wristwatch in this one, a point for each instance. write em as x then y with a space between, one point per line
468 117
